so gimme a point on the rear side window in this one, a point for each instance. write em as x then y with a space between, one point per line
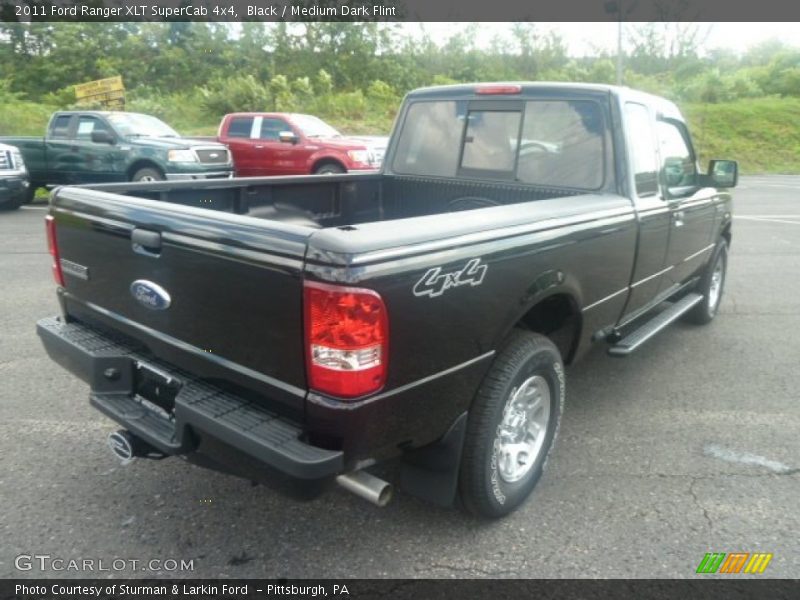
642 147
562 144
490 143
60 127
240 127
430 141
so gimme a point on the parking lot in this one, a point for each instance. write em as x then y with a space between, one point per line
689 446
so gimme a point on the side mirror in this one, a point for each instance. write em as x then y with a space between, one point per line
103 137
723 173
288 137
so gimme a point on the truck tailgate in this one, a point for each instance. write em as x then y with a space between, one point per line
217 294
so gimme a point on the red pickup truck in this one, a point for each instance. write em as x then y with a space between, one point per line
264 144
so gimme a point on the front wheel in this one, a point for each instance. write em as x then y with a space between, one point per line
147 174
711 286
512 425
329 169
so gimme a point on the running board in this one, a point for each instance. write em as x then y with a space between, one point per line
635 339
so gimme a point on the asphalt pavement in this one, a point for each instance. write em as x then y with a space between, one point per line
689 446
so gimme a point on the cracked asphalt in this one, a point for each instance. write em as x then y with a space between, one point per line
687 447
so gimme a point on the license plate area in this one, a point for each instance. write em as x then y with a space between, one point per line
156 389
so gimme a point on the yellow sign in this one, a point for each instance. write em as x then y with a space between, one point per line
109 92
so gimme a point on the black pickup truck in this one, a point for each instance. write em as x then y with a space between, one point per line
303 329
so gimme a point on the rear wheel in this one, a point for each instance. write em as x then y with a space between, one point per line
329 169
511 427
147 174
711 286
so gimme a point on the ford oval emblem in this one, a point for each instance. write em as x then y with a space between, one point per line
150 295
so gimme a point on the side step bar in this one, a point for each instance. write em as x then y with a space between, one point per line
636 338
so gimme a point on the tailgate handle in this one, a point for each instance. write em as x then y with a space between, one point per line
146 242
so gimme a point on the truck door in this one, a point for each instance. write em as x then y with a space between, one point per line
692 209
274 156
61 156
652 211
96 162
239 139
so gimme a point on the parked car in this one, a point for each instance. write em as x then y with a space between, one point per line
14 184
97 146
307 328
294 144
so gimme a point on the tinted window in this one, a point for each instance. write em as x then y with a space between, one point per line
676 157
240 127
491 140
86 125
642 148
271 129
430 141
60 127
562 144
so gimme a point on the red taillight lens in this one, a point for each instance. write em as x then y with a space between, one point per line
491 90
52 247
347 339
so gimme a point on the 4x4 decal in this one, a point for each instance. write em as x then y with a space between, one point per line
435 283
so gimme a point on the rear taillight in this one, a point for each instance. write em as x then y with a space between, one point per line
347 339
52 247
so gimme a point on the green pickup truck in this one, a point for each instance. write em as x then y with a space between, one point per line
97 147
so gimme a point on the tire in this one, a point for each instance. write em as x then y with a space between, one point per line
714 277
12 203
147 174
30 194
329 169
491 485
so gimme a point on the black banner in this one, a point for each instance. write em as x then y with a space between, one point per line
398 10
398 589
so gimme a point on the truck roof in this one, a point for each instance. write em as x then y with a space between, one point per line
467 90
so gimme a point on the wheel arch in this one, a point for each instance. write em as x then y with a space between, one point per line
553 312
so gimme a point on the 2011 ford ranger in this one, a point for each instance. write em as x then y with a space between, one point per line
306 328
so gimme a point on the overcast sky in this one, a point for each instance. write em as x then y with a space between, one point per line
581 37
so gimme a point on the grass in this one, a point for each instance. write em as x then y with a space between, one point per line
760 133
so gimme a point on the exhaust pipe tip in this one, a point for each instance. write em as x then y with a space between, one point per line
122 445
366 485
126 447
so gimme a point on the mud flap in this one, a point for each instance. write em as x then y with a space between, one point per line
431 472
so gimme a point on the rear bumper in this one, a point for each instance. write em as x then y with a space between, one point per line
112 368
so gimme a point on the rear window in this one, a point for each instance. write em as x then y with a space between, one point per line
490 143
557 143
240 127
431 138
562 144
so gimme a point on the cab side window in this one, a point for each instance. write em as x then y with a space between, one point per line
677 159
271 129
87 125
240 127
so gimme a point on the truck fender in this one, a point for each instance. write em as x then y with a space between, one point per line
546 286
326 156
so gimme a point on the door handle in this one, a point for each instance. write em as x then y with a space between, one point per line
679 218
259 147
